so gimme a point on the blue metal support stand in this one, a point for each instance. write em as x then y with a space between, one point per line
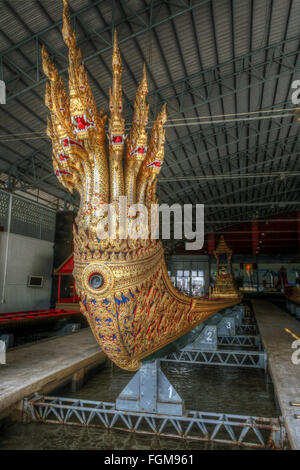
207 339
150 413
150 391
2 352
221 330
149 404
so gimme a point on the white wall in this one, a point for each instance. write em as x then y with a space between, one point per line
26 256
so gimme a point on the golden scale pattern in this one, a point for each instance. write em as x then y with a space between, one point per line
137 310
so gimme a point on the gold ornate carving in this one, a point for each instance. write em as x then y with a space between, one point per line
225 285
129 301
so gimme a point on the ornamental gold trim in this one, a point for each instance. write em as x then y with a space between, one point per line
95 268
136 310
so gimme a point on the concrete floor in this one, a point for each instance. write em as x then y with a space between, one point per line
46 365
272 321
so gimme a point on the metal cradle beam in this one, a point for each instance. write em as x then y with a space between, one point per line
193 425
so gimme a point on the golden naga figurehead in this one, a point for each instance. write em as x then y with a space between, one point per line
130 303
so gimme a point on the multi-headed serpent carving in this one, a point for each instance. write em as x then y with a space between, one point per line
126 295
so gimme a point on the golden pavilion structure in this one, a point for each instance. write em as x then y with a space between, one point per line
126 295
225 286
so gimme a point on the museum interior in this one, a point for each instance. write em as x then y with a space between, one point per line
150 225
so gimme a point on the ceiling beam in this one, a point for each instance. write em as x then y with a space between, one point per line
144 26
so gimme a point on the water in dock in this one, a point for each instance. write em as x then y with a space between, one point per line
205 388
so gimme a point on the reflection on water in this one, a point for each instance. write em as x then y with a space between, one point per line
205 388
52 436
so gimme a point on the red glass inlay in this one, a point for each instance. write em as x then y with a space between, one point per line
141 150
82 123
117 139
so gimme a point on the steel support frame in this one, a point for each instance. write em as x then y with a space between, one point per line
234 131
245 216
210 78
269 209
247 329
246 64
33 73
232 358
32 178
235 160
240 340
276 150
220 428
217 71
280 153
149 404
280 186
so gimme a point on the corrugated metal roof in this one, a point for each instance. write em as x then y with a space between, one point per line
216 57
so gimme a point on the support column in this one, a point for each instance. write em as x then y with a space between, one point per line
58 290
6 250
77 380
150 391
254 236
207 339
298 229
210 251
2 352
210 243
74 291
